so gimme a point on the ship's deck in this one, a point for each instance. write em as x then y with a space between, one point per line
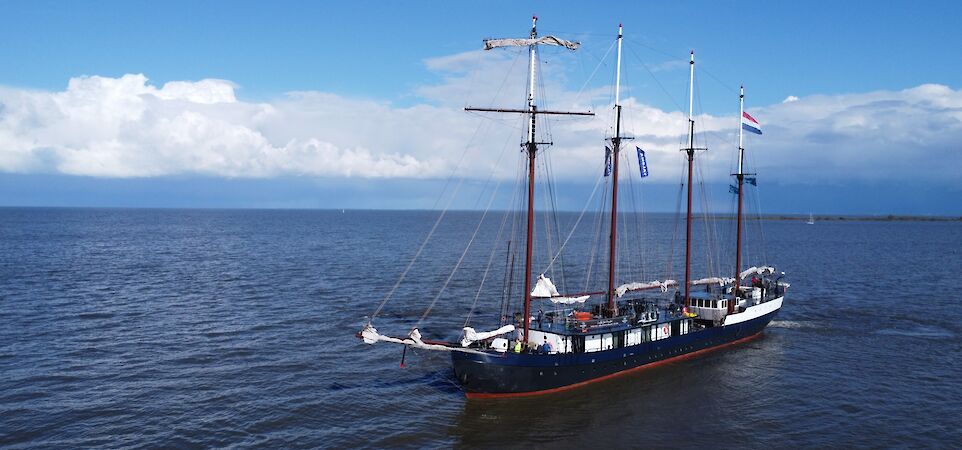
630 315
561 323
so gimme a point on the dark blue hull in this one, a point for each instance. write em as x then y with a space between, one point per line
494 374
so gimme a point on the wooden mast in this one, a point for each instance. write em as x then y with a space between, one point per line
691 157
738 219
616 146
531 147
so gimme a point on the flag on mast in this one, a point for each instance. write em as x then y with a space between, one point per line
642 163
750 124
607 161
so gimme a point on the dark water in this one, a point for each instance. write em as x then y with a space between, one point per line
186 328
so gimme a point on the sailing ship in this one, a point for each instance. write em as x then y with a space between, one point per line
580 341
811 219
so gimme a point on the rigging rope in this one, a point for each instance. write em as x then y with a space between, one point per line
596 235
443 212
575 226
487 268
460 259
416 255
662 87
674 236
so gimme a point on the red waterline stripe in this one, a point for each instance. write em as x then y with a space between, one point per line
477 395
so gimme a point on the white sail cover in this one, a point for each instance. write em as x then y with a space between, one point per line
546 40
370 336
764 270
569 300
713 280
544 288
663 285
470 335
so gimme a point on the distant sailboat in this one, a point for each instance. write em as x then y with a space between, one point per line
811 219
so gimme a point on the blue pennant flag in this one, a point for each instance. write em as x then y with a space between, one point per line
607 161
751 180
642 163
732 189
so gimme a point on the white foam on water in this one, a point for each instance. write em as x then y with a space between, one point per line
793 324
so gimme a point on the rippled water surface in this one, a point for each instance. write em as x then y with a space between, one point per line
193 328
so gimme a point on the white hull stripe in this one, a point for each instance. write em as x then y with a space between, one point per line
754 311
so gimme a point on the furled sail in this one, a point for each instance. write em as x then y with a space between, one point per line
545 40
546 289
470 335
569 300
370 336
663 285
713 280
764 270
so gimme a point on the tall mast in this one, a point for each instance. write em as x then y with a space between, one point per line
738 220
691 157
531 144
616 146
532 148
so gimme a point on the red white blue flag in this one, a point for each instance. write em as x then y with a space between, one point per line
750 124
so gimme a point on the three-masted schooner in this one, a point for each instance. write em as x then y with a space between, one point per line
579 344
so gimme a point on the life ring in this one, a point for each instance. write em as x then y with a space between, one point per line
666 330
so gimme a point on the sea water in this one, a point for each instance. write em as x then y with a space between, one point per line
215 328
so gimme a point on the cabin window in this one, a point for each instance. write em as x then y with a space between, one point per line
714 303
593 343
578 344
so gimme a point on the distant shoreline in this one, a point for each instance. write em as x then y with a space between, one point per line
855 218
696 216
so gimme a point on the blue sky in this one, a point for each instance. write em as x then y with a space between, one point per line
399 62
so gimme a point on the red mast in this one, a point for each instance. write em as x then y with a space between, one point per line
691 157
531 147
616 146
738 219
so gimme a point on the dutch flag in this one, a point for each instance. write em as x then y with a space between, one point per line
750 124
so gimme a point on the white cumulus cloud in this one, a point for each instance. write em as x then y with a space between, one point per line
128 127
